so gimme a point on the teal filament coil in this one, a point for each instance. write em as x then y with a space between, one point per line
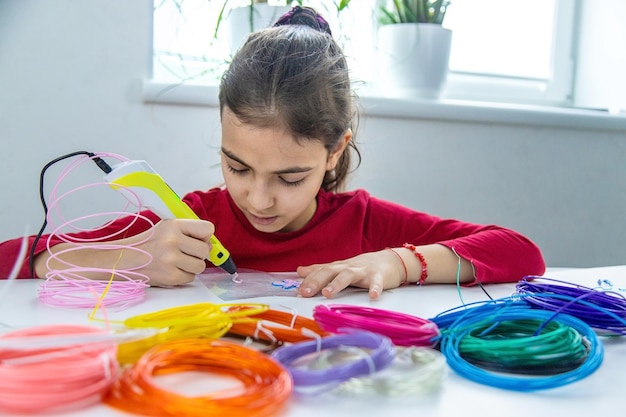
507 344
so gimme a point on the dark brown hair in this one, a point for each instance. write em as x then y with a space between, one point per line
294 75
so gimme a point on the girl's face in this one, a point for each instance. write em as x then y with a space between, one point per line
273 179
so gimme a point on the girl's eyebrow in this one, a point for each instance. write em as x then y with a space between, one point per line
290 170
233 157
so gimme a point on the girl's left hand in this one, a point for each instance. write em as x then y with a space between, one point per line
376 271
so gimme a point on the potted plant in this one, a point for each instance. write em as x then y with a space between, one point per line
413 48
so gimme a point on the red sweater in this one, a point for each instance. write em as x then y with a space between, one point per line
344 225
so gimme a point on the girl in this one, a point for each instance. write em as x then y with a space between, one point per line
288 114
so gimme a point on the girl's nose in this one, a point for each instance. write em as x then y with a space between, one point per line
259 197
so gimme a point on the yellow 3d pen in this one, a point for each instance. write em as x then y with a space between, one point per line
154 193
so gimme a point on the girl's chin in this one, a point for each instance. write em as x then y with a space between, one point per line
263 228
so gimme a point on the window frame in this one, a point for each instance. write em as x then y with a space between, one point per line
555 92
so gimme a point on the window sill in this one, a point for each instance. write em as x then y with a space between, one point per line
453 110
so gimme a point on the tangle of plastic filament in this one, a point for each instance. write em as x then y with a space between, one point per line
414 371
374 353
72 286
403 329
507 344
277 326
54 378
266 384
200 320
601 309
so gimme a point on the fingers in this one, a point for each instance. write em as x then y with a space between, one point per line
191 237
198 229
195 244
330 279
314 280
191 264
173 267
179 248
196 248
175 277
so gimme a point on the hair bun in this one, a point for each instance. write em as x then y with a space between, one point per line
306 16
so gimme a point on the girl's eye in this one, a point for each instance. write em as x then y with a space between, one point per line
292 183
284 181
236 171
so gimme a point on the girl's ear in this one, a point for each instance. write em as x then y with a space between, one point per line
333 157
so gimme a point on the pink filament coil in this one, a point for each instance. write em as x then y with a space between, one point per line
37 373
74 285
403 329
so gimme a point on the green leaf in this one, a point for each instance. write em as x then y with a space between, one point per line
220 16
343 4
414 11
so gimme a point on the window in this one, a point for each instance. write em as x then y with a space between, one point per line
514 51
518 51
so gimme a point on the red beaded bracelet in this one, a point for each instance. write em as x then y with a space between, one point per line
420 257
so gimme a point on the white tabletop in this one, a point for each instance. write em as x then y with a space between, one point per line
601 393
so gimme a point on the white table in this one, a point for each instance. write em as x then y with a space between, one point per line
601 393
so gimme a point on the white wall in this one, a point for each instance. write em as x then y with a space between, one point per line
70 79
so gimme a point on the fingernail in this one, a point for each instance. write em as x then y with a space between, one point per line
328 290
306 290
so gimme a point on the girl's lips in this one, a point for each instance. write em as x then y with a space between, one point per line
264 221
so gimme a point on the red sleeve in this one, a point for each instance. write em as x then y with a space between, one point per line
9 251
497 253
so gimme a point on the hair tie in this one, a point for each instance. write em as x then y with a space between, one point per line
306 16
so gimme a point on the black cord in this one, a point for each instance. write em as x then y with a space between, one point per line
106 168
480 284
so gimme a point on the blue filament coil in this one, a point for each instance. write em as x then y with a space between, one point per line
508 344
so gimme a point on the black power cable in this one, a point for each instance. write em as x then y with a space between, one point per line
106 168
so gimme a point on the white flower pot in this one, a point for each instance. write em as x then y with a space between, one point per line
413 59
239 21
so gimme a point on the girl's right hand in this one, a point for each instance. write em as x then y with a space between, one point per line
179 248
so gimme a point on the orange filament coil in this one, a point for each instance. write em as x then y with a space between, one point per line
277 326
40 374
190 321
266 383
